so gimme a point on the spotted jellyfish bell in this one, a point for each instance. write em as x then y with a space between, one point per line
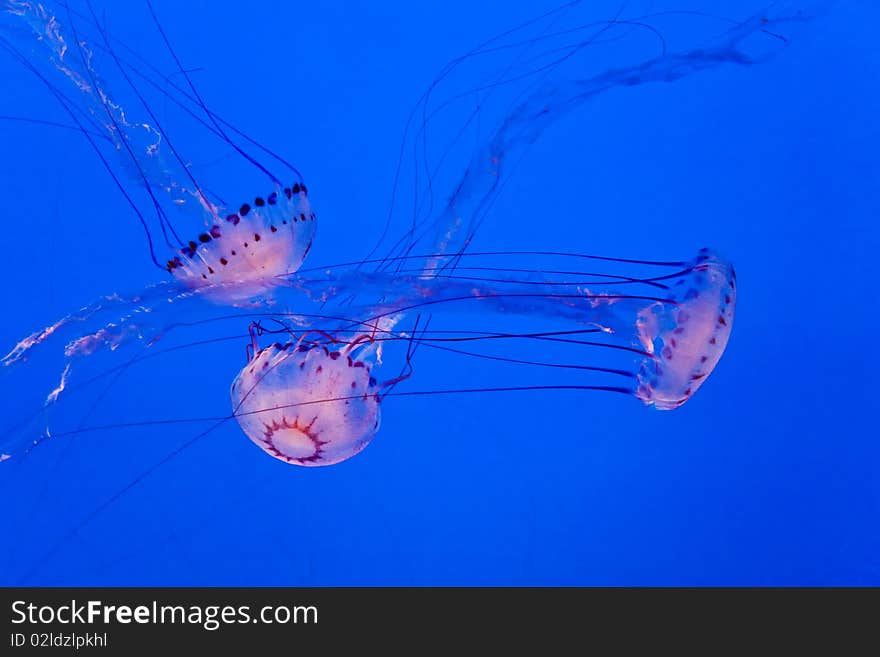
253 248
687 336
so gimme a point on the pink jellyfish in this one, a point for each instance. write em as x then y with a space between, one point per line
315 401
326 401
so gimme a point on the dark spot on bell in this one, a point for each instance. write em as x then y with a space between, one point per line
721 320
233 219
224 261
295 188
287 192
302 216
232 252
273 229
244 209
210 271
256 237
334 355
320 368
193 246
259 202
215 231
204 238
273 198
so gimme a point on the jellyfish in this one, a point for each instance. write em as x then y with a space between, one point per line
244 250
251 255
287 377
254 246
247 244
315 402
244 264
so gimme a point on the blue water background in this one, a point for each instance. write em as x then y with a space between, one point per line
767 476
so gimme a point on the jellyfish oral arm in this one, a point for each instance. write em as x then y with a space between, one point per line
452 230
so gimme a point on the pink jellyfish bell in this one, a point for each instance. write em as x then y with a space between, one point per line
688 336
306 404
252 246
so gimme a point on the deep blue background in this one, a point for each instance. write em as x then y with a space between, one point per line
768 476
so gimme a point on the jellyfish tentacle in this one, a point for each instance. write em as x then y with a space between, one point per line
207 205
201 102
406 370
68 108
453 229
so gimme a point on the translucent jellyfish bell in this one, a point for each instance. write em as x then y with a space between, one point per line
689 337
307 405
259 242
